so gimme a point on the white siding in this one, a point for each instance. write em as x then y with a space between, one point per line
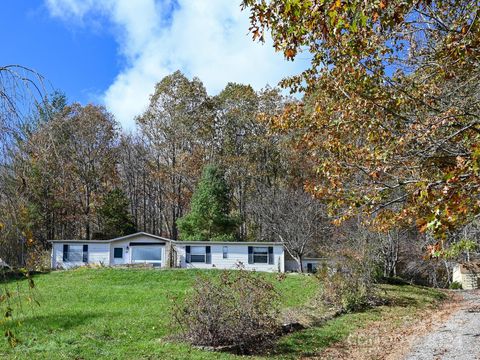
98 253
457 274
237 253
57 255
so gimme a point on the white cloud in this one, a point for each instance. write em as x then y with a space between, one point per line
204 38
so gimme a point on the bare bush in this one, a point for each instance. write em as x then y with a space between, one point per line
347 286
237 310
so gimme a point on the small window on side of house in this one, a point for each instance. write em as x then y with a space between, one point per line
225 252
118 253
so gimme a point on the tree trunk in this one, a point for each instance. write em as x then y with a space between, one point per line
298 259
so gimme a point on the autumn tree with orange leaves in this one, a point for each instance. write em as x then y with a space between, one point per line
391 113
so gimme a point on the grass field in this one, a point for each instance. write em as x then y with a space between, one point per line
124 314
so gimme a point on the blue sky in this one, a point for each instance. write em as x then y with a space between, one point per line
114 51
76 60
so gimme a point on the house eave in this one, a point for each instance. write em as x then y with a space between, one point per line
141 233
79 241
251 243
103 241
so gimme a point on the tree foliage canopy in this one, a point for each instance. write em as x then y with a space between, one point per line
114 217
391 109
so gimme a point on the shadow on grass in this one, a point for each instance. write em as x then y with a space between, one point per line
63 321
13 276
412 296
307 343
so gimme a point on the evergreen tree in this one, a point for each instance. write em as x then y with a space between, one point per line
114 217
209 217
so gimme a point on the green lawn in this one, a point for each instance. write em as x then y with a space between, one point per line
124 314
116 314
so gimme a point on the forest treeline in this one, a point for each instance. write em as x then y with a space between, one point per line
70 172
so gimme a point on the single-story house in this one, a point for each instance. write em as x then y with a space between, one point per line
143 248
467 274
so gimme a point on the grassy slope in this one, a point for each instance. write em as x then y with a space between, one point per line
123 314
115 314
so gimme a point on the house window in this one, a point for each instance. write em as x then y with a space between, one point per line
74 253
118 253
147 254
197 254
260 255
225 252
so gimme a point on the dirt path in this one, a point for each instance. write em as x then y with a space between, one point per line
450 331
457 338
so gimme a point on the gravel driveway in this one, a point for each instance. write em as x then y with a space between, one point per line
458 338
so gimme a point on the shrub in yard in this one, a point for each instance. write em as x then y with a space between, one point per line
455 286
237 310
38 259
347 286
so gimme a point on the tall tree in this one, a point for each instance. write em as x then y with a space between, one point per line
250 155
89 136
235 124
139 182
209 217
177 129
66 166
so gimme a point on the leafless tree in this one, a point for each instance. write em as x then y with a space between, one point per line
389 248
293 217
21 90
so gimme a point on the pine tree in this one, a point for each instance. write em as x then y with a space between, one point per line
209 217
114 217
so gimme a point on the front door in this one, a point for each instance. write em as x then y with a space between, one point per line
118 255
